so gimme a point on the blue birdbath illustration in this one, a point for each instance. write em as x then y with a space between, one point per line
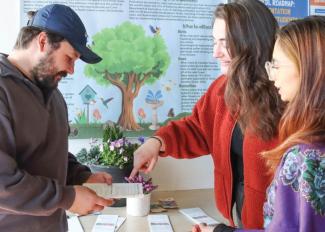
153 100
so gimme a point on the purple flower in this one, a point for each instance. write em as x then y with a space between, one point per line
141 139
146 184
119 143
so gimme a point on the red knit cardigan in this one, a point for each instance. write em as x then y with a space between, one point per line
208 130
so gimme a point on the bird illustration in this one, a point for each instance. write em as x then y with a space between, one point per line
106 101
155 30
171 113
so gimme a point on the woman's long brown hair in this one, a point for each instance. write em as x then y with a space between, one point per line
250 34
303 121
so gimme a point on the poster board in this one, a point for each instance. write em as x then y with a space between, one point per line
157 62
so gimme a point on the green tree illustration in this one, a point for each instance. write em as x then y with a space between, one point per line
130 60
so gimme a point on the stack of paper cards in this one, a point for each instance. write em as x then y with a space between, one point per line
74 224
168 203
159 223
117 190
156 208
198 216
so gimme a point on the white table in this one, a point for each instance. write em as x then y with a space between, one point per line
202 198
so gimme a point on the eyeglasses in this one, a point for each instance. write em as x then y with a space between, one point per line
270 67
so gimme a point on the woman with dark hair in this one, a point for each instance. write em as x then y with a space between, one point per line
296 197
235 119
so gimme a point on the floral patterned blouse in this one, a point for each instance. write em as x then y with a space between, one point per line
296 196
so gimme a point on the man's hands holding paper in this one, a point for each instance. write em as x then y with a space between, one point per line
86 200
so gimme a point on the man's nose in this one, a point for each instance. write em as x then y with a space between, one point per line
70 69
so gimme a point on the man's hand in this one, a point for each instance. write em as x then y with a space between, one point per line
87 201
100 177
202 228
146 156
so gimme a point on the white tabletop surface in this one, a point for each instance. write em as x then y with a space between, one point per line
202 198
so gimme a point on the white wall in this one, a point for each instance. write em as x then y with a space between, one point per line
169 174
9 24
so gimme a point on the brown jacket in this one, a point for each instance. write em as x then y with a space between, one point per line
35 166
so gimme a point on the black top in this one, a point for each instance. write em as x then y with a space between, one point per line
236 154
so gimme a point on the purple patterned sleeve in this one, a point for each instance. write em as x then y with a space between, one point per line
296 198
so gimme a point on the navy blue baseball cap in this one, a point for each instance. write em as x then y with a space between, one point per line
64 21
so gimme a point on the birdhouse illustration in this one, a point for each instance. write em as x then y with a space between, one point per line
88 95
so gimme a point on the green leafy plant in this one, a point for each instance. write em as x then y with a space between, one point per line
81 117
113 150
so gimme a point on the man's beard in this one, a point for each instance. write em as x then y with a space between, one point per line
44 74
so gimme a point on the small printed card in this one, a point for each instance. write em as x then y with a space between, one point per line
119 222
198 216
105 223
74 224
159 223
168 203
116 190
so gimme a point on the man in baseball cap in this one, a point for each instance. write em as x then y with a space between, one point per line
62 20
39 178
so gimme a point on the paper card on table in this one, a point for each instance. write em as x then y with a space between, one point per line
105 223
119 222
74 224
198 216
159 223
116 190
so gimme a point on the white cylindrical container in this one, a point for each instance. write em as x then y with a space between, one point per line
138 206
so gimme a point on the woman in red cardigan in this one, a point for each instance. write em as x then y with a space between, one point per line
235 119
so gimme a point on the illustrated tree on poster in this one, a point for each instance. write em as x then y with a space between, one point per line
130 60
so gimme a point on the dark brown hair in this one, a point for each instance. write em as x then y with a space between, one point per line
303 121
27 34
250 35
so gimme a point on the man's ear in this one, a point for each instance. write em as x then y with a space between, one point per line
42 41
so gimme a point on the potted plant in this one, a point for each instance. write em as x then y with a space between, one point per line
114 154
140 206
